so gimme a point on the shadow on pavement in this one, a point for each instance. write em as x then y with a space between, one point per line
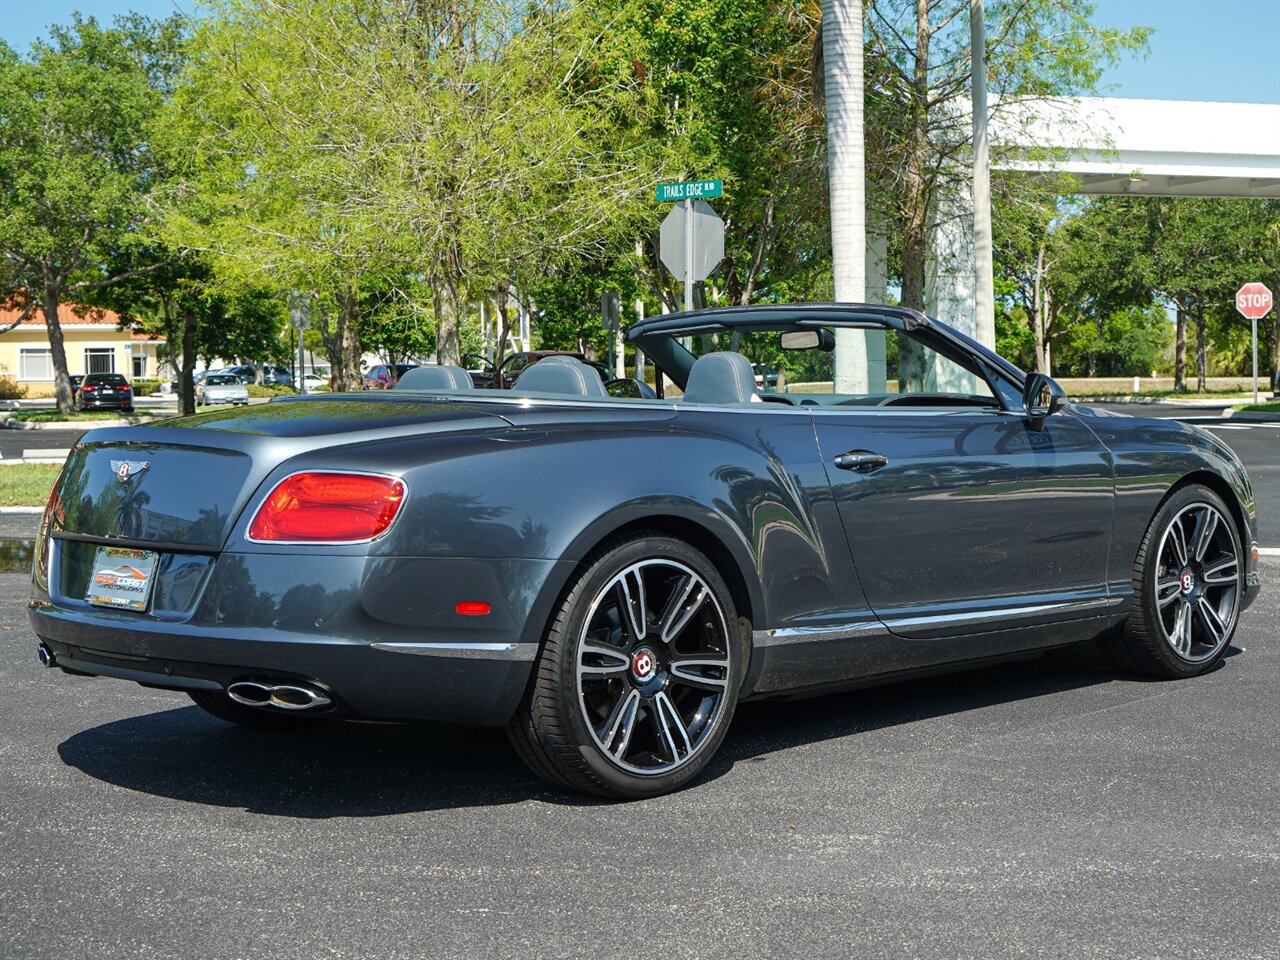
366 770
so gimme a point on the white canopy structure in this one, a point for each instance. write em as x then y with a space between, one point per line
1166 148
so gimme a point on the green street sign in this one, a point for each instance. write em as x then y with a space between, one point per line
693 190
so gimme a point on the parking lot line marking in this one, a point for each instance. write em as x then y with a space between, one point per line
1269 551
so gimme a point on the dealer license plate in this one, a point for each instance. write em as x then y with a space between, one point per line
122 578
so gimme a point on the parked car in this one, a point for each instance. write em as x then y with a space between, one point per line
609 577
221 388
271 374
383 376
311 382
503 377
104 391
766 377
76 379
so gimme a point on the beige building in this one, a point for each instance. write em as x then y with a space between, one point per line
94 343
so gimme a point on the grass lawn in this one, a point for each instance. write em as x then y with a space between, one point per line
27 484
1270 406
48 416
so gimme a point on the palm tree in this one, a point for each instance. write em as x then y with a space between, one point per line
846 165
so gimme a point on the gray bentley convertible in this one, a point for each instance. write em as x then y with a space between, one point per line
607 571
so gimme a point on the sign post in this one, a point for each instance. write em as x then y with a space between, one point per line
1253 300
692 235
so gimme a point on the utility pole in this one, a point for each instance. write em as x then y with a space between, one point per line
984 290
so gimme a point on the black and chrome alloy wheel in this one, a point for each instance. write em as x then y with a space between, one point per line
1197 582
653 665
638 677
1187 585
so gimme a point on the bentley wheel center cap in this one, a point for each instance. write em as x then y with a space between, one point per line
644 665
1188 581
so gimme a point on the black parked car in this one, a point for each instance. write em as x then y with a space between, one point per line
104 391
271 374
609 577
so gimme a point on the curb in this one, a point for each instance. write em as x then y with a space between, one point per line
1254 416
85 425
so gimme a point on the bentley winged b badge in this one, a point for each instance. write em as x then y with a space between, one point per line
124 469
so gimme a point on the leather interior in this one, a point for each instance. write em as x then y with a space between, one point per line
723 377
436 377
561 375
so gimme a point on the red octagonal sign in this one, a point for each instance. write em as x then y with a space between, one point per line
1253 300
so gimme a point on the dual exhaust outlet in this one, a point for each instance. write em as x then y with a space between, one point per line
250 693
280 696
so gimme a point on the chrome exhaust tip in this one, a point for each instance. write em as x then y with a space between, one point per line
282 696
46 656
289 697
250 694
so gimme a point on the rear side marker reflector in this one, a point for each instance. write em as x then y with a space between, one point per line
328 508
472 608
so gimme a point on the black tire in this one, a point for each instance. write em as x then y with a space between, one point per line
220 705
1147 643
550 730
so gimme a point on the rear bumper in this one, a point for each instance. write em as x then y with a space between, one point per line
381 634
479 686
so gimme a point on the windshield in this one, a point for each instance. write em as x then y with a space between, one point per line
222 380
880 367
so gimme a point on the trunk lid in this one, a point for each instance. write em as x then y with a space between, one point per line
182 483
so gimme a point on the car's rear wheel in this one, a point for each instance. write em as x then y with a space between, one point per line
639 674
1187 585
220 705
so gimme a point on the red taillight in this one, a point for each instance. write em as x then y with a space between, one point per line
472 608
328 507
125 388
88 388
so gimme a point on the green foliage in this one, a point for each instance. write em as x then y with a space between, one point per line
75 161
10 389
146 388
269 390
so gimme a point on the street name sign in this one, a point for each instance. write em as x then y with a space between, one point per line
692 190
1253 300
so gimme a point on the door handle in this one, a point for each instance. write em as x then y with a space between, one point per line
860 461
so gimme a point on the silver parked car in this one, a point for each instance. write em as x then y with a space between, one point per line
221 388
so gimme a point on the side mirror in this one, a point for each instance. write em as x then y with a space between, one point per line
1042 397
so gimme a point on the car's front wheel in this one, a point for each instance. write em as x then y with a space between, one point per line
1187 583
638 677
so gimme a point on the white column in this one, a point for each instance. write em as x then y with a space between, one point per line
846 166
949 288
877 249
984 291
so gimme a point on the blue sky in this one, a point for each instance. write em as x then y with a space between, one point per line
1202 49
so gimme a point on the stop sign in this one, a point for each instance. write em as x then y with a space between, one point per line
1253 300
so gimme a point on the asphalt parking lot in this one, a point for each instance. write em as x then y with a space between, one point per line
1054 808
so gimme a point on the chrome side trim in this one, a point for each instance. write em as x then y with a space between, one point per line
1006 613
787 636
516 652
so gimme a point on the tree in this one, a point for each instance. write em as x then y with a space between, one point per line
918 85
347 145
75 164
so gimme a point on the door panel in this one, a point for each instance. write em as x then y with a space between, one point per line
974 521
